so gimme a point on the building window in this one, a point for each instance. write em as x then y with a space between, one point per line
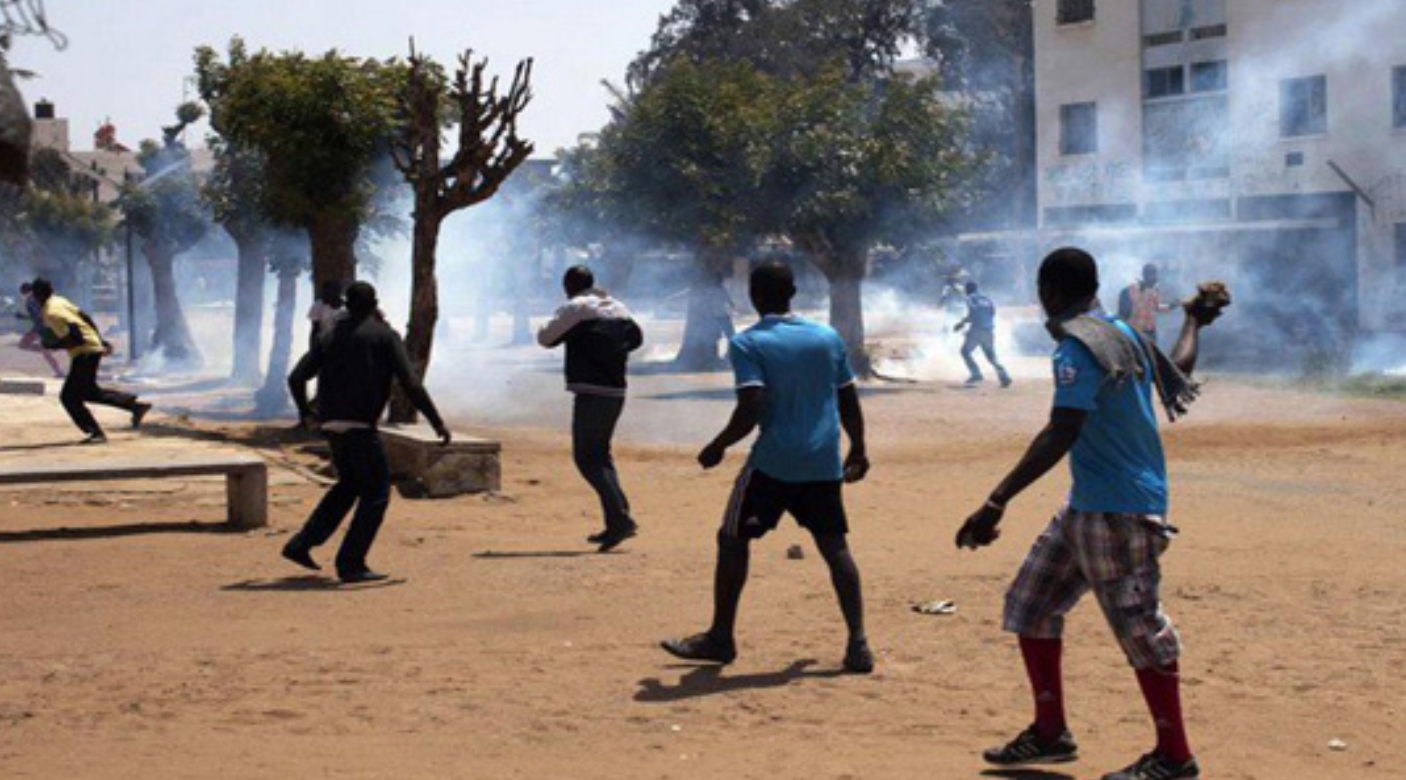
1398 97
1186 139
1165 82
1209 76
1162 39
1209 31
1303 106
1078 128
1075 11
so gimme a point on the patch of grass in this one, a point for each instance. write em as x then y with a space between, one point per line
1359 385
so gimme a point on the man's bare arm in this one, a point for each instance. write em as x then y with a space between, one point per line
852 419
745 418
1045 452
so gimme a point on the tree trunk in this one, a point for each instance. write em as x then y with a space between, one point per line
847 313
703 327
333 240
424 310
272 398
249 310
172 335
523 274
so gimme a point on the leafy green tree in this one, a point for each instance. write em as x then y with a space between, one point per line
846 154
320 124
698 31
167 215
288 260
234 194
864 163
784 38
683 162
51 226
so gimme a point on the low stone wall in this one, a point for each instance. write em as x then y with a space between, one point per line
422 468
22 386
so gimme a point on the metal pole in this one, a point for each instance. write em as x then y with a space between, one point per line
133 338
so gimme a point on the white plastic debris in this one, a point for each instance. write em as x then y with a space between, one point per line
1337 744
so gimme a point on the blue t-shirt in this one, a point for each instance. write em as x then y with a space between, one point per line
981 312
801 364
1118 463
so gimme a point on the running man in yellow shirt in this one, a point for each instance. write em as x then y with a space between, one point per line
76 332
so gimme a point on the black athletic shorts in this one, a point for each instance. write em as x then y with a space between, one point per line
758 502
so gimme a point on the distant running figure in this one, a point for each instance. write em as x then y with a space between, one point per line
981 317
1111 535
354 367
599 335
32 340
75 331
794 381
1140 303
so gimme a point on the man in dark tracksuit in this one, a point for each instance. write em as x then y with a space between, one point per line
599 335
354 367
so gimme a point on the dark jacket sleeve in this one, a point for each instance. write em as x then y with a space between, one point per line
414 389
634 337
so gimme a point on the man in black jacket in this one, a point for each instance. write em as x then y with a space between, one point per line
599 335
354 366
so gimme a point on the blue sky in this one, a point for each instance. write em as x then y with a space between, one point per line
128 59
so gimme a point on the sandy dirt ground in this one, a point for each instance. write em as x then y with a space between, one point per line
139 640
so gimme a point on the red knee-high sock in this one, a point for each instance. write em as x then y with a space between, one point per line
1162 690
1042 663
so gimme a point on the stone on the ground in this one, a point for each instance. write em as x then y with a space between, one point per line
422 468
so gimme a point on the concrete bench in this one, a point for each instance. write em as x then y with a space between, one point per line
246 478
421 468
10 386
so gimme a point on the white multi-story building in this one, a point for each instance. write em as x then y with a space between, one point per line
1261 141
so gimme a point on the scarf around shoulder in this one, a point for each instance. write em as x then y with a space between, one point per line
1122 357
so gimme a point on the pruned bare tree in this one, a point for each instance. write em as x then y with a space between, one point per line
489 149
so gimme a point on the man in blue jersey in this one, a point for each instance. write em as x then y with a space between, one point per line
981 334
1109 537
794 381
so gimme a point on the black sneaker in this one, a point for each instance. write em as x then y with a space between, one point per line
1031 748
614 538
598 537
1155 767
95 438
139 413
701 647
859 659
297 553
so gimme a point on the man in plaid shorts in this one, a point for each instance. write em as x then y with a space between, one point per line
1109 537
